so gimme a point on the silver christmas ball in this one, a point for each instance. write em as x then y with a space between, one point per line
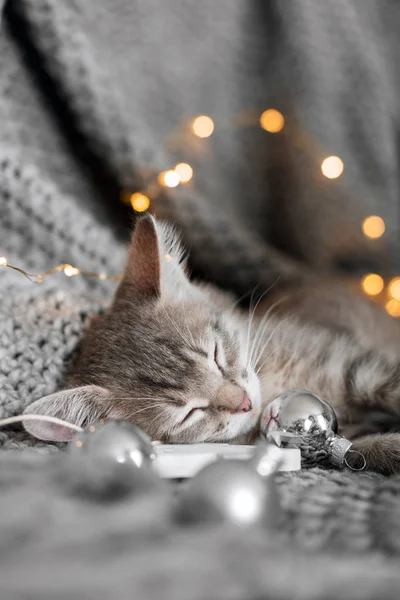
230 491
115 441
301 419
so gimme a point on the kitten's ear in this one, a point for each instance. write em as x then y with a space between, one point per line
79 406
143 270
156 264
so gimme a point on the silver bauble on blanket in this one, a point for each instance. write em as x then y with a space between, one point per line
116 441
234 492
301 419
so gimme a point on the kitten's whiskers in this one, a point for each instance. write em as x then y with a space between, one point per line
233 306
260 331
258 336
150 407
267 342
251 317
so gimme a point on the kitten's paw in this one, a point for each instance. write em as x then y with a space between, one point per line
381 453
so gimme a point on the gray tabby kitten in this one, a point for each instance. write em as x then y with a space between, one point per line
182 362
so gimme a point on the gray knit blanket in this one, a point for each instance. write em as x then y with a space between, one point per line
90 93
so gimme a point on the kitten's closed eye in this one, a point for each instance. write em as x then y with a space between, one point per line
193 412
220 358
217 357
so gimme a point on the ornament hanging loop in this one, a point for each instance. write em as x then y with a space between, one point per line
363 464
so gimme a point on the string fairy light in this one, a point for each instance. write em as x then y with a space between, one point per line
394 288
65 268
372 284
392 307
332 167
373 227
169 178
184 171
71 271
139 202
272 120
203 126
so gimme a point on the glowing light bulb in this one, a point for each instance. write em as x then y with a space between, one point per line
332 167
394 288
184 171
393 307
3 261
70 271
373 227
140 202
203 126
272 120
169 179
372 284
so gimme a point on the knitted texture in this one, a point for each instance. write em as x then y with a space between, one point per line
63 539
90 92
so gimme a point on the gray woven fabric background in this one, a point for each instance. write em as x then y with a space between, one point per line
90 92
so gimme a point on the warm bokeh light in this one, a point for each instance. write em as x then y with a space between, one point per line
140 202
184 171
393 307
203 126
373 227
272 120
169 179
70 271
168 258
3 261
372 284
394 288
332 167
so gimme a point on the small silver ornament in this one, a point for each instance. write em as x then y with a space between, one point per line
300 419
115 441
230 491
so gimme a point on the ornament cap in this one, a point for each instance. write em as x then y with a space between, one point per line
338 449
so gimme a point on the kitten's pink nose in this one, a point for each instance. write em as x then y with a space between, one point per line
245 404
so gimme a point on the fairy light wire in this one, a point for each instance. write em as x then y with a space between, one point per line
48 419
45 418
67 269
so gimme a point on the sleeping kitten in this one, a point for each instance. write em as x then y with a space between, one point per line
186 365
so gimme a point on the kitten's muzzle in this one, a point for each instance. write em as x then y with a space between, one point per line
232 398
